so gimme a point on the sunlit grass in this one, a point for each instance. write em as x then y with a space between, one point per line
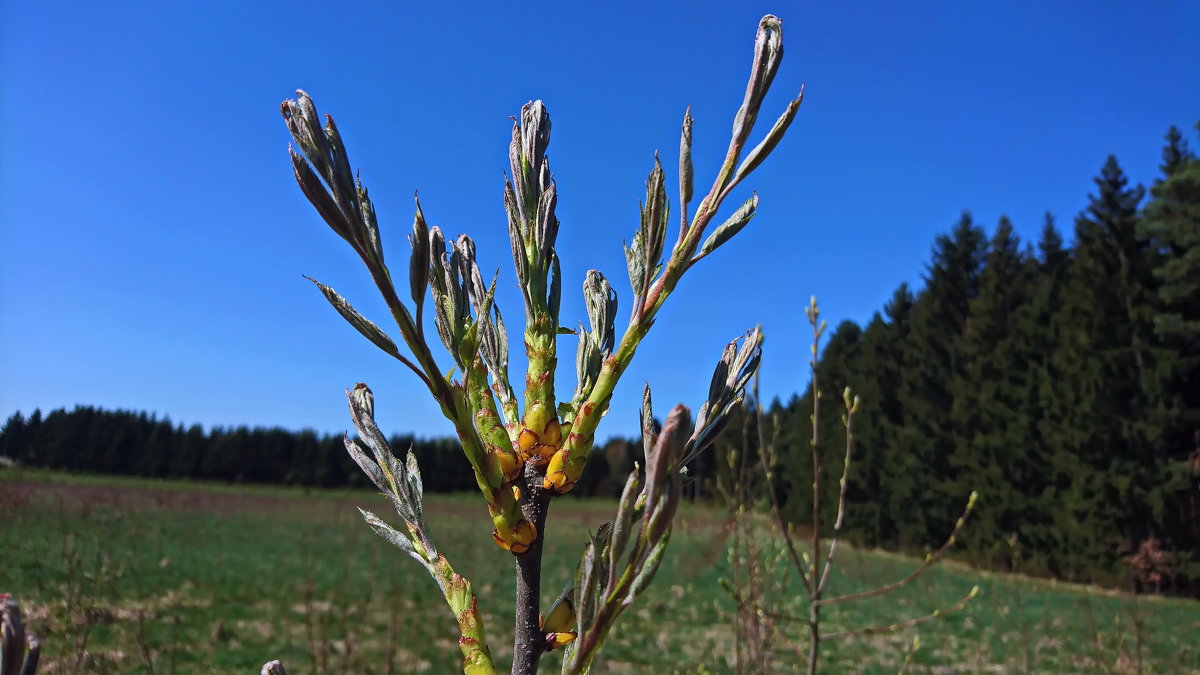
213 578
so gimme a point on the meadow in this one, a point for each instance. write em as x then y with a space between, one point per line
126 576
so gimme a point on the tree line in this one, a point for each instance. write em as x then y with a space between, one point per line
1061 382
94 440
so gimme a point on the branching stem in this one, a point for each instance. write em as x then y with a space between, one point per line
929 561
814 586
776 507
529 643
841 512
875 630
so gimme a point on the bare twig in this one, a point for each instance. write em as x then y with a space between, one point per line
814 605
929 562
892 628
776 509
815 573
851 408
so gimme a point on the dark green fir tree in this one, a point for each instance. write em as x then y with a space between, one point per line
934 363
1171 224
991 423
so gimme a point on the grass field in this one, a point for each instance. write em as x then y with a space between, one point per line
126 576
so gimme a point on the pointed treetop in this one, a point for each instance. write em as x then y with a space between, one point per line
1050 244
1175 153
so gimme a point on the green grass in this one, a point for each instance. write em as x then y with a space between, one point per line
121 575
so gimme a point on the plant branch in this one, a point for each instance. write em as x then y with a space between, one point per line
529 642
851 408
812 312
368 329
401 483
929 561
776 507
644 257
935 614
521 457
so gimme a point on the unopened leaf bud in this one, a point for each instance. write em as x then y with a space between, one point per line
510 465
556 480
364 399
552 435
524 536
556 640
560 618
537 416
516 539
527 439
500 540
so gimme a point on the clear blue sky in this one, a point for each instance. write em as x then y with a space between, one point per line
153 238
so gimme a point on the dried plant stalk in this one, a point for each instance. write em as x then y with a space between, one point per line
814 572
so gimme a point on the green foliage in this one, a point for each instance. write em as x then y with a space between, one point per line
934 368
1058 381
994 442
1171 227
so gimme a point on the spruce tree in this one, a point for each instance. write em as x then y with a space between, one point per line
1176 155
866 520
990 419
883 472
1171 224
1172 227
1104 404
1038 321
13 438
934 363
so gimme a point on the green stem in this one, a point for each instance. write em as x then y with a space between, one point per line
500 462
477 658
540 347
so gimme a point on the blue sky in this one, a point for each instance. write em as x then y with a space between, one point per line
153 238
